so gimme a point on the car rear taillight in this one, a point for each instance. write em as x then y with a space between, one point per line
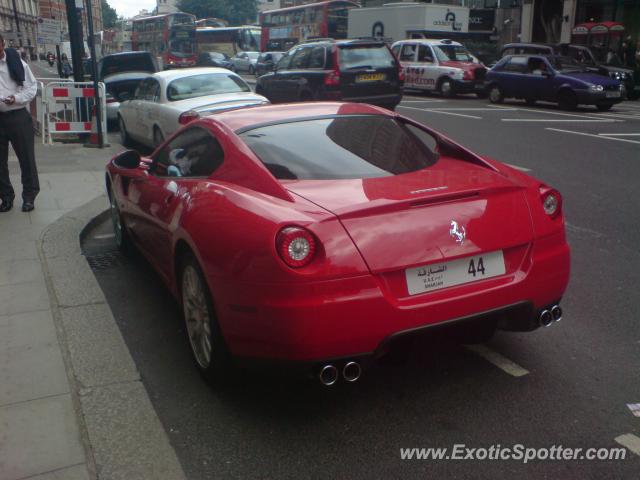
400 74
188 117
551 201
332 79
296 246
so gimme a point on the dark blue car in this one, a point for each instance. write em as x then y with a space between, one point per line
551 79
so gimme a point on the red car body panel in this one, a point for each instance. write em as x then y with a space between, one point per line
353 296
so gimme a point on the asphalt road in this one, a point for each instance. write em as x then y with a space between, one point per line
565 385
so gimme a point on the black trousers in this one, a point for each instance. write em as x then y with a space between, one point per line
16 127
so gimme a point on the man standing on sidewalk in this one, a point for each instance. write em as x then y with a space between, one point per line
17 88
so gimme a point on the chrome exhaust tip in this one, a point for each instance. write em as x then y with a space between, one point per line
351 371
556 313
328 375
545 319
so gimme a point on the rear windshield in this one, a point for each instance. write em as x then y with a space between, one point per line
456 53
126 63
205 84
363 146
370 56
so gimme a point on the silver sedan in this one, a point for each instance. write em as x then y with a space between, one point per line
165 101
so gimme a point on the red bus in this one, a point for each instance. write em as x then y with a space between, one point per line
170 38
285 27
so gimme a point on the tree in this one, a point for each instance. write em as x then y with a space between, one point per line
236 12
109 15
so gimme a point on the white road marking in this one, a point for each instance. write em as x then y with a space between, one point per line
422 101
559 120
548 112
632 116
630 441
498 360
522 169
473 109
439 111
106 235
620 134
592 135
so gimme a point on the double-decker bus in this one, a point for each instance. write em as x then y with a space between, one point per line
170 37
285 27
229 40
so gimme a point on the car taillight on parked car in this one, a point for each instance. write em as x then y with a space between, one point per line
551 201
332 79
296 246
188 117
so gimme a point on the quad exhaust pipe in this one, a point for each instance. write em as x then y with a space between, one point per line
329 373
547 317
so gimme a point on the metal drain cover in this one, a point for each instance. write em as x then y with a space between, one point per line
103 261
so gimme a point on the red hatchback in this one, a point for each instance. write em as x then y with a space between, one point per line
320 233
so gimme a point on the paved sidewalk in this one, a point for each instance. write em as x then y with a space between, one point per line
47 431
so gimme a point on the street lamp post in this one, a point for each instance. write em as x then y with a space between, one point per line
15 13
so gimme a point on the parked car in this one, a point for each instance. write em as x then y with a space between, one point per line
121 73
552 79
167 100
350 70
214 59
245 62
442 66
267 61
320 234
582 55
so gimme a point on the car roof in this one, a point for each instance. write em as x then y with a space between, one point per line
429 41
543 46
243 119
125 54
349 41
168 75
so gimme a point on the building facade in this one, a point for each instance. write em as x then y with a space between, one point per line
24 39
166 6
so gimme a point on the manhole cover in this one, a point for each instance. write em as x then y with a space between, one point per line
103 261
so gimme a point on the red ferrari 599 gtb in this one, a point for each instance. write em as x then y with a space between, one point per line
319 233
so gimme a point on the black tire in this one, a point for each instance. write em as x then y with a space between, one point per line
122 238
158 137
446 88
482 94
216 365
125 139
496 95
530 101
604 107
567 100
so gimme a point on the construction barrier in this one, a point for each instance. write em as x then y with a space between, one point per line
67 108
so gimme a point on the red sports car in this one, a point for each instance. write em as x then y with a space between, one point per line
321 233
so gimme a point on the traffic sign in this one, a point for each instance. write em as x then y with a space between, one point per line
49 31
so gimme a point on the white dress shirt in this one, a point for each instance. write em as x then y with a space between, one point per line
23 94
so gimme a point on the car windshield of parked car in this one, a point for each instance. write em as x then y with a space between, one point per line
205 84
368 56
456 53
359 146
566 65
218 56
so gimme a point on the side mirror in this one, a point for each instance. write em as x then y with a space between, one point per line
124 96
129 159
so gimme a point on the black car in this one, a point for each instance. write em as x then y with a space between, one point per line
266 62
347 70
214 59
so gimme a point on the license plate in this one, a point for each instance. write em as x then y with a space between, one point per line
457 272
370 77
612 94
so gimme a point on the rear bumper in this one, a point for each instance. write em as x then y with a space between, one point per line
358 316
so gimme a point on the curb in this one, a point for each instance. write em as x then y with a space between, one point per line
119 428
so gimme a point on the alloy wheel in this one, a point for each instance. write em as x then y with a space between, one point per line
197 316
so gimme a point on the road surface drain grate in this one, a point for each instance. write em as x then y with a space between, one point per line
103 261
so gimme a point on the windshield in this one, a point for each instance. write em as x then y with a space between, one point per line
218 56
182 48
369 56
181 19
205 84
566 64
360 146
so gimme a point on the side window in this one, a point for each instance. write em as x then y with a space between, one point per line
141 90
425 54
284 62
301 58
408 53
193 153
537 66
396 51
516 65
508 51
316 59
154 91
